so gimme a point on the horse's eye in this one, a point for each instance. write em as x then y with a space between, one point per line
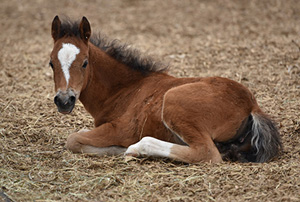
85 64
51 64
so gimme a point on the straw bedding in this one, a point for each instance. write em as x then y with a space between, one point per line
253 42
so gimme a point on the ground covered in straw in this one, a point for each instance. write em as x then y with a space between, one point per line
253 42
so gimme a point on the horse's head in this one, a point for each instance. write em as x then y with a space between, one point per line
69 61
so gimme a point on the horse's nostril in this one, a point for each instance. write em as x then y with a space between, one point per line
72 99
56 100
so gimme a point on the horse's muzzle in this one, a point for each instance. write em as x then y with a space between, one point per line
65 102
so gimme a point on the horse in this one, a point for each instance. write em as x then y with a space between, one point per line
140 110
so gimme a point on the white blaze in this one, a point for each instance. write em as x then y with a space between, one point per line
66 56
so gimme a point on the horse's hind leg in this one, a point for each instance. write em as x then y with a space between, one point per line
184 115
149 146
181 117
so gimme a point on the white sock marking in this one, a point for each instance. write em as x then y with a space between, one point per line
66 56
150 146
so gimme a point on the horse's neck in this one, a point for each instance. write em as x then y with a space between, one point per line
105 78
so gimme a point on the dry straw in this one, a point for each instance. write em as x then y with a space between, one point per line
250 42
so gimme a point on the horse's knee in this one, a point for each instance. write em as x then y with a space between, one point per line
72 144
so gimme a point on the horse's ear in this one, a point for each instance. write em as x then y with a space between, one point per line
85 29
55 29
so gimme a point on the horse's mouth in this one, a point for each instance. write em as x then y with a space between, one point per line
66 110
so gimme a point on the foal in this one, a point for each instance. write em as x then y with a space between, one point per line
141 110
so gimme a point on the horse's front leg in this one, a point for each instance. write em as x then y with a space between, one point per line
103 140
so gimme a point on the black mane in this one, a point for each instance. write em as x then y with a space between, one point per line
121 52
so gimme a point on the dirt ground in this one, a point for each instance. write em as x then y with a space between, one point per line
253 42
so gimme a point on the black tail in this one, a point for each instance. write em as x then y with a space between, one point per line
265 138
257 140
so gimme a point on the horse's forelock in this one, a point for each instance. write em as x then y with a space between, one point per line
69 29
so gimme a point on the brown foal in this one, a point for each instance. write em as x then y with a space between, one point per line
141 110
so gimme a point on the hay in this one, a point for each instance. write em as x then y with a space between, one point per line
253 42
